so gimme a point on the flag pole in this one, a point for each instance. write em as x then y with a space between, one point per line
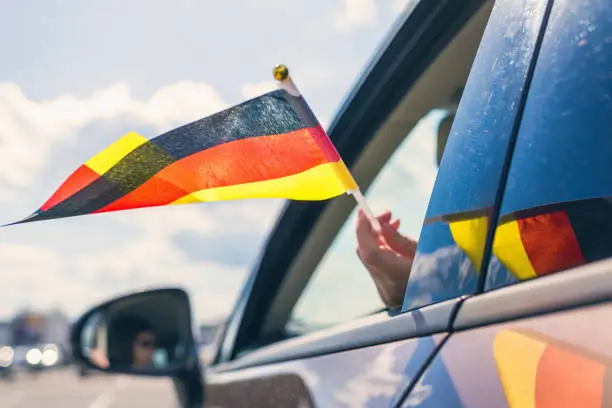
284 81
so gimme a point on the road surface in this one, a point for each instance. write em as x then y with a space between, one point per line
64 389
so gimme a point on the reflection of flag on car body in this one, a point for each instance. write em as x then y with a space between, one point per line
540 240
539 372
548 239
470 233
268 147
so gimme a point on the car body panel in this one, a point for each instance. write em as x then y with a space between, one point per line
556 360
327 367
366 377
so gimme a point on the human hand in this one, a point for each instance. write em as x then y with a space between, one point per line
387 257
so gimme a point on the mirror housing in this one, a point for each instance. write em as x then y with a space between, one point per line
146 333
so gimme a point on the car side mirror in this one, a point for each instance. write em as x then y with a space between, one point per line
146 333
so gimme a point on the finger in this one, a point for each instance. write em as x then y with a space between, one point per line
395 225
367 241
398 242
384 218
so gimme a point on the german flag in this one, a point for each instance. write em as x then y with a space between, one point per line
271 146
548 239
540 372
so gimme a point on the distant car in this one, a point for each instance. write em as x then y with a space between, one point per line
43 356
7 355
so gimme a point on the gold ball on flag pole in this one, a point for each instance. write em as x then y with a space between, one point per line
281 72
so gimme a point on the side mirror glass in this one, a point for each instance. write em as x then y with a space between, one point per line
147 333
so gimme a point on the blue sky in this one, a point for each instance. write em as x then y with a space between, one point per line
78 75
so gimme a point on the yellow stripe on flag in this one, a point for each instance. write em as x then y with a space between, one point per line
508 248
318 183
344 176
110 156
517 357
471 236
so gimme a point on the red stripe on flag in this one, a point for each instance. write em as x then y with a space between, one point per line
237 162
155 192
324 143
550 242
82 177
565 378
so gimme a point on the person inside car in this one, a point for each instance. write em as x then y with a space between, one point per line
388 257
131 343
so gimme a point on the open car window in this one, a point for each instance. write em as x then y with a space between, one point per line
309 276
402 186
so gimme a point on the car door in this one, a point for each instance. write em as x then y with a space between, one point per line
374 360
538 336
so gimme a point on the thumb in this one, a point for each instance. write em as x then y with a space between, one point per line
398 242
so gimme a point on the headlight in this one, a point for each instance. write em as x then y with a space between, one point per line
33 356
49 357
6 356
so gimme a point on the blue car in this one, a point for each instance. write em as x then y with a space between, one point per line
511 287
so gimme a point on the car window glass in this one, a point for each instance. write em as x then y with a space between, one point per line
556 211
341 288
451 245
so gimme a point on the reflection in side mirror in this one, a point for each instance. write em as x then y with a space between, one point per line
147 333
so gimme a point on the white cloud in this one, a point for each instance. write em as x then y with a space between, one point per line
30 130
356 14
34 274
44 277
154 260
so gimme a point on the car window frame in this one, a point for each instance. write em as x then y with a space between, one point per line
420 35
